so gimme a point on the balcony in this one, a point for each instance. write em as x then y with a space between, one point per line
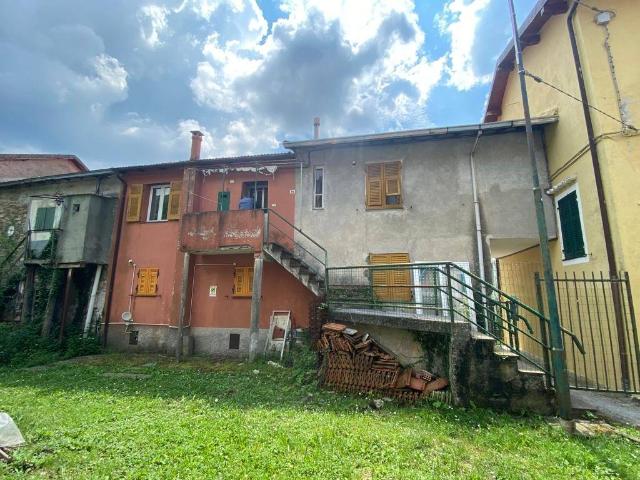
222 231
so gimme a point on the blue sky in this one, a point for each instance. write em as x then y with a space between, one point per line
124 81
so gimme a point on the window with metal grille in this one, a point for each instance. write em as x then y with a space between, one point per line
318 187
571 226
384 185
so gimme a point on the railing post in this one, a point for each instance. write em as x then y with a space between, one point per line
450 293
543 328
265 227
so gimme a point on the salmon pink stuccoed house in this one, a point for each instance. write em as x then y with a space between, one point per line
192 239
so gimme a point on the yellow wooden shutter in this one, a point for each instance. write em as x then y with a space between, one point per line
147 282
174 201
143 281
374 185
392 179
391 285
243 282
134 202
152 284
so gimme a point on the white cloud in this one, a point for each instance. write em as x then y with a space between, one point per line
153 22
460 20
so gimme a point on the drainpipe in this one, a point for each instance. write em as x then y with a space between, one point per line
602 202
114 257
476 209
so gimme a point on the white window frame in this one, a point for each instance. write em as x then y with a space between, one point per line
313 188
556 199
161 211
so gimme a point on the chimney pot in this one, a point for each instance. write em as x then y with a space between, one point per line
316 127
196 144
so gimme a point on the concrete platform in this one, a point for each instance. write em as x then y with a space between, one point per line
616 407
427 322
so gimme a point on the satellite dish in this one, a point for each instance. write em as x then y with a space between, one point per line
127 317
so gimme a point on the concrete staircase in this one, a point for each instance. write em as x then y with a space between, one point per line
500 378
296 266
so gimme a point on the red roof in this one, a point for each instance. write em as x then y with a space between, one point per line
529 35
16 166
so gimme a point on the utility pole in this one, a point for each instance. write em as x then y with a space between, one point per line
561 385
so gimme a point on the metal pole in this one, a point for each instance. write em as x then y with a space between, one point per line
563 396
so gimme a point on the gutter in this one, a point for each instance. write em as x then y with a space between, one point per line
114 257
476 209
602 202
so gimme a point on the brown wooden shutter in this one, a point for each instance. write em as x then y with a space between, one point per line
134 202
174 201
392 178
374 185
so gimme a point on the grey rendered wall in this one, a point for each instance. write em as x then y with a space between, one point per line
436 222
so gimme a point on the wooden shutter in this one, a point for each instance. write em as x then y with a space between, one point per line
391 285
134 202
374 185
174 201
243 282
143 282
572 239
392 178
147 282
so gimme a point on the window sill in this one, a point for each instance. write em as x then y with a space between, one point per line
155 221
576 261
377 209
242 296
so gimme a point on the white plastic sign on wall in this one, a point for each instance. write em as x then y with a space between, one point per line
213 290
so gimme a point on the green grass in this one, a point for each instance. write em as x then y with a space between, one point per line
201 420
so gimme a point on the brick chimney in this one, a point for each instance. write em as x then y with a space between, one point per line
196 144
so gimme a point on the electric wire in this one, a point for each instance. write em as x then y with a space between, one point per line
539 79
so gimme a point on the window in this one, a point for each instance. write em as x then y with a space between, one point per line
45 218
258 191
391 284
147 282
318 187
571 231
158 203
384 188
243 282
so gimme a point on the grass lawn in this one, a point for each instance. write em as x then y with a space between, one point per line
201 420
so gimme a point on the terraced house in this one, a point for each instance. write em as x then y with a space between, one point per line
592 152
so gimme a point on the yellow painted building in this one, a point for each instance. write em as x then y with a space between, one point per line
608 41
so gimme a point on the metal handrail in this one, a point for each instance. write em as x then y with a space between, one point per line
462 291
15 249
325 263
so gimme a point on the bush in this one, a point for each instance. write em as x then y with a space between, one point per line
22 346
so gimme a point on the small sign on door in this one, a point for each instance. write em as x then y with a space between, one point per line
213 290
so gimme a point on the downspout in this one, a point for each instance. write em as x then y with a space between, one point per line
476 208
114 257
602 203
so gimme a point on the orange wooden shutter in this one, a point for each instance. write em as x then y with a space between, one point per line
374 185
152 284
143 282
392 178
243 282
174 201
390 284
134 202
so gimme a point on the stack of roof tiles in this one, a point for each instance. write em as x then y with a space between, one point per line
354 362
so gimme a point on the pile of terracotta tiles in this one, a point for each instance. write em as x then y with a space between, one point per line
354 362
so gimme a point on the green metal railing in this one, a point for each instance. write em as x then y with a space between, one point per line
280 231
442 291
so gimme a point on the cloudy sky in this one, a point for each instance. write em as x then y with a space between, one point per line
124 81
